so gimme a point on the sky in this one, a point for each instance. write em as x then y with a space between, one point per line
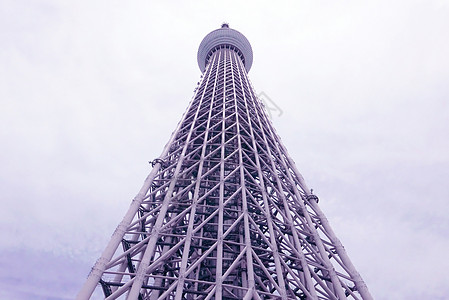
91 91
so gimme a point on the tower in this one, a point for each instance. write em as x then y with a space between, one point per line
224 213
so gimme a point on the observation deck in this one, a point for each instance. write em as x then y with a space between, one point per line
225 37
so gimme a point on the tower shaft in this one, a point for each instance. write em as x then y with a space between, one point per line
225 214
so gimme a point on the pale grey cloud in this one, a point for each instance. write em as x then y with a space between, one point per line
90 93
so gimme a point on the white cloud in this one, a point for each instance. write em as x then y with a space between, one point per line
90 93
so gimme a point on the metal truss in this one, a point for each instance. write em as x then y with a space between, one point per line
225 214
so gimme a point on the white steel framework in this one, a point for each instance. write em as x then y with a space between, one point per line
225 214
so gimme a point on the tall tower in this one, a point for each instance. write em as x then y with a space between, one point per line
224 213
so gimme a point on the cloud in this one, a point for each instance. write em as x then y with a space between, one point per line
90 94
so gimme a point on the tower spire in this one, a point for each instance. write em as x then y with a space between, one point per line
224 213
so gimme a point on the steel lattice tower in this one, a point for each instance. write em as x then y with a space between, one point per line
224 213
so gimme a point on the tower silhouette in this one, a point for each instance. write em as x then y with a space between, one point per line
224 213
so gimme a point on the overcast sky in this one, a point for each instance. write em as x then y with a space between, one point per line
90 91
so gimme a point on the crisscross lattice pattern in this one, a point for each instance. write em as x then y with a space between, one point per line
225 214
